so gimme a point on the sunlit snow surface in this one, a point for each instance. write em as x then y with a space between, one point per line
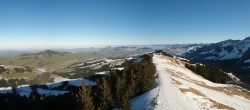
170 95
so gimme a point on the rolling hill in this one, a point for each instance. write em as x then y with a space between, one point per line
48 60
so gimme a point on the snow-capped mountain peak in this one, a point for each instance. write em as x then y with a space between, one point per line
224 50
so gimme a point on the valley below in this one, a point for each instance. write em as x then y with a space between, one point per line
177 84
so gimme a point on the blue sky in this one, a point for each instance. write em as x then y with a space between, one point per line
80 23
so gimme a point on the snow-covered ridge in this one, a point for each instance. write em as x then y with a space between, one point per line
181 89
225 50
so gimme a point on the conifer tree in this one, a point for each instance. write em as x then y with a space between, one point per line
86 98
118 89
14 90
105 95
125 105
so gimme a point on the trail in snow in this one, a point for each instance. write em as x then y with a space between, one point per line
180 89
169 97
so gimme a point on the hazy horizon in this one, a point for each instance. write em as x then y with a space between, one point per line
90 46
44 24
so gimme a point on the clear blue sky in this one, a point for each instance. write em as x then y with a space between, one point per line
79 23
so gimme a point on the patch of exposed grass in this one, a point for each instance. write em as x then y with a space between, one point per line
176 82
227 90
18 75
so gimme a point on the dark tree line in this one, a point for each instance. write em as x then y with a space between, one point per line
2 69
45 77
209 72
37 101
12 82
19 70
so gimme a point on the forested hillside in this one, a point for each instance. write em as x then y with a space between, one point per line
112 90
209 72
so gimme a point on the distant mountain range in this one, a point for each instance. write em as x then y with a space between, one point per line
225 50
41 54
179 49
229 55
11 53
59 60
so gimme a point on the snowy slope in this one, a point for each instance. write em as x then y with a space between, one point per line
180 89
25 90
230 55
145 101
224 50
